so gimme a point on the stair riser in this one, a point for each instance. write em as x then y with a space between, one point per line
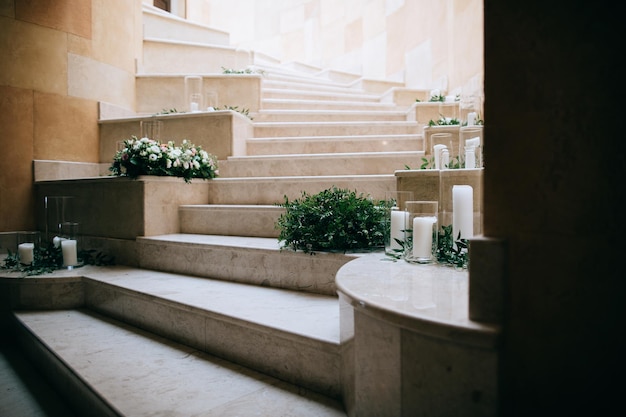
267 267
185 58
329 117
315 95
330 145
312 364
349 165
277 104
269 191
332 129
227 220
167 26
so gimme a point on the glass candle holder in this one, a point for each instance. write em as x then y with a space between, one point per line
58 209
421 232
193 93
395 221
211 101
151 129
69 244
27 245
440 141
471 136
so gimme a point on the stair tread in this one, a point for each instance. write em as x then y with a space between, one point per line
141 374
301 314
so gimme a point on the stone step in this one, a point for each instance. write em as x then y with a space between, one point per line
188 57
272 190
312 84
294 94
325 115
226 219
251 260
329 105
341 144
294 129
180 346
159 24
361 163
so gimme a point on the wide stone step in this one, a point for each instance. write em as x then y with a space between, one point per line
336 115
280 93
159 24
226 219
361 163
250 260
310 85
188 57
340 144
295 104
272 190
286 129
109 368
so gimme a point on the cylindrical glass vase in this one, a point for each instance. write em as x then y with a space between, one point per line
27 245
395 221
151 129
421 232
193 93
69 244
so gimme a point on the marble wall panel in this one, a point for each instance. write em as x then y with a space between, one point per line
27 49
71 16
65 128
16 199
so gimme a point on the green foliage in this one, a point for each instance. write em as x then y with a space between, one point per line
169 111
452 252
244 112
332 220
444 121
437 98
243 71
49 259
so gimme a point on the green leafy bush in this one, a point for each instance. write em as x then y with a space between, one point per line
332 220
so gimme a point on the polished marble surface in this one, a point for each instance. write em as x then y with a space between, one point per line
144 375
430 298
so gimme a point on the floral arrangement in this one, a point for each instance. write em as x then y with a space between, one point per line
150 157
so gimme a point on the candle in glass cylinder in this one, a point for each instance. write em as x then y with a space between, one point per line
26 252
437 154
398 224
70 256
423 237
462 211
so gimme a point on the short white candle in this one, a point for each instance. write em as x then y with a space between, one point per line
471 119
26 252
450 99
462 211
194 106
397 227
437 151
70 256
435 93
423 237
210 108
473 141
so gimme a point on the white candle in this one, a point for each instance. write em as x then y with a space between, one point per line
70 256
471 119
194 106
470 157
56 241
445 158
450 99
462 211
435 93
210 108
423 237
398 225
473 141
26 252
437 151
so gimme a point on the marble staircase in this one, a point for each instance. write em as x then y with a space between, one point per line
214 318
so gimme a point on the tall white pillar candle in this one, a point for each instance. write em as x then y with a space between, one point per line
26 252
397 227
445 158
70 255
462 211
470 157
437 154
423 237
